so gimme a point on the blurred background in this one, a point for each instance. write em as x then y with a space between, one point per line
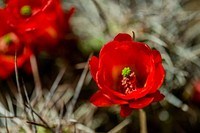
61 85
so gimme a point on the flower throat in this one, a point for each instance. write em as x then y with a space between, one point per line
128 81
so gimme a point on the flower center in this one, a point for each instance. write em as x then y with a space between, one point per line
126 71
10 43
26 11
7 39
128 81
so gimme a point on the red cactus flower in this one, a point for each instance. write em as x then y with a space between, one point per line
10 45
127 73
42 23
196 92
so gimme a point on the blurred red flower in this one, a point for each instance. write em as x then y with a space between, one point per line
11 44
42 23
196 92
127 73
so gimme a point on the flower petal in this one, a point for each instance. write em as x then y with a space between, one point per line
159 71
157 96
99 99
7 63
123 37
24 57
125 110
141 103
6 66
93 65
157 56
159 78
116 100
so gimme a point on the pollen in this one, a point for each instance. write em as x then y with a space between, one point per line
26 10
7 38
126 71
